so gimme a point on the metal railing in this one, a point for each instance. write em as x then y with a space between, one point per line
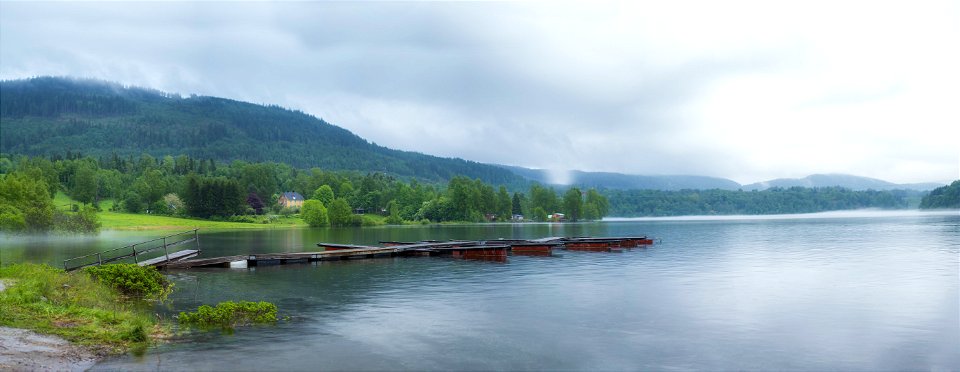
132 251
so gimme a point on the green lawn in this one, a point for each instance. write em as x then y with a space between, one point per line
131 221
62 201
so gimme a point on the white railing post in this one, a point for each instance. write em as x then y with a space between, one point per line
165 249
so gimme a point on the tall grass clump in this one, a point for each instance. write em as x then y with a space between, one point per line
230 314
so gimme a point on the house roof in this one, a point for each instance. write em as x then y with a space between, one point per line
293 196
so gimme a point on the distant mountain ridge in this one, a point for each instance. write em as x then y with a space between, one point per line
620 181
842 180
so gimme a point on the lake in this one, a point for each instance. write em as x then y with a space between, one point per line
833 291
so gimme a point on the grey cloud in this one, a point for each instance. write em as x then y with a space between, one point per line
454 79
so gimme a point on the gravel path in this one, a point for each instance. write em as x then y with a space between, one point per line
23 350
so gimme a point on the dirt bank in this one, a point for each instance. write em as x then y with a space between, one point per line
21 349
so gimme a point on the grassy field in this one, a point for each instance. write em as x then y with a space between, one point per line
130 221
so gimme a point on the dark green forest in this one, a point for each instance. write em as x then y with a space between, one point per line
48 116
943 197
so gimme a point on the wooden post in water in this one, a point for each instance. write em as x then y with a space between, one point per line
196 237
99 260
135 259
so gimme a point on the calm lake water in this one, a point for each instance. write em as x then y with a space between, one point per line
841 291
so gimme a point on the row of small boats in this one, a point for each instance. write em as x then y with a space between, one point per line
498 248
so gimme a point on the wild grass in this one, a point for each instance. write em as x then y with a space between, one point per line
74 306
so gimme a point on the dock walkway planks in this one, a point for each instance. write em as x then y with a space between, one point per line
481 249
254 259
205 262
165 259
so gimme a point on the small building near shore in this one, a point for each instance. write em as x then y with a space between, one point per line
291 199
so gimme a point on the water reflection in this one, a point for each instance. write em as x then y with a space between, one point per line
845 293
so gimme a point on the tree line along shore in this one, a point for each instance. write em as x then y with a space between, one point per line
74 193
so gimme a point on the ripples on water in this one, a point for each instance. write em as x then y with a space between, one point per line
837 293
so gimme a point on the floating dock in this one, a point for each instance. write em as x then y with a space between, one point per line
493 250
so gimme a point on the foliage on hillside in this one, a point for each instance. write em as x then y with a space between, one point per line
943 197
46 116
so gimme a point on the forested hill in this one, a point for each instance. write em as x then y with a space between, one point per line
842 180
46 116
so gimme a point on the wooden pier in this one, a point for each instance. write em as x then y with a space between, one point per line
495 250
173 257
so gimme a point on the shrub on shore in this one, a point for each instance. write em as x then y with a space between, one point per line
133 280
230 314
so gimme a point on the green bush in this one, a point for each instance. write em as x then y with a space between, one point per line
242 219
370 221
11 219
133 280
84 221
314 213
230 314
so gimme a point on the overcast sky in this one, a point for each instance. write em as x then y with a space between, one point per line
744 90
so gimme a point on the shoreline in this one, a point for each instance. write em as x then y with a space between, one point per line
22 349
837 214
